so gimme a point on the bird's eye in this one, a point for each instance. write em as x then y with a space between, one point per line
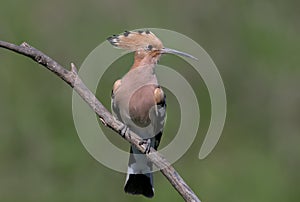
149 47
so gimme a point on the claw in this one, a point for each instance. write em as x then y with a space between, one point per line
123 129
147 142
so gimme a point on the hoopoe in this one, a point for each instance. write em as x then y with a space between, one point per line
140 103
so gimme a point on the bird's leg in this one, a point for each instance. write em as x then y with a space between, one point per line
147 142
123 129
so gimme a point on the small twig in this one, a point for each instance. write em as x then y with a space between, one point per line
71 77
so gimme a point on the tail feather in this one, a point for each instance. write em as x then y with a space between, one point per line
139 175
139 184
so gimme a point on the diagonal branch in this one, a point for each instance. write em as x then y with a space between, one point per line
71 77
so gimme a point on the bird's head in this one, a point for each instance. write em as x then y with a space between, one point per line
145 45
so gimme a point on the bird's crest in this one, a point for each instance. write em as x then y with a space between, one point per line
136 40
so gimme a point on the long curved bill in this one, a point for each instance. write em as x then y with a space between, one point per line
176 52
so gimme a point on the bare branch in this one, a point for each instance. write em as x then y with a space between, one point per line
71 77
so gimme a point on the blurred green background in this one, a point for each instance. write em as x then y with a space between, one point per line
255 44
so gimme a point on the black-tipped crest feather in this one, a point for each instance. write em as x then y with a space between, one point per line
135 40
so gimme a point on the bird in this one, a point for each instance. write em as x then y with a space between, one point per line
140 103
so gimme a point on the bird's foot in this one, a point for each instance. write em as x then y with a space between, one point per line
146 142
123 129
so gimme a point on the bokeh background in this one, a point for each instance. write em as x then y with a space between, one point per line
255 44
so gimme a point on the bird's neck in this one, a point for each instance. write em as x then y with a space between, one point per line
144 60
